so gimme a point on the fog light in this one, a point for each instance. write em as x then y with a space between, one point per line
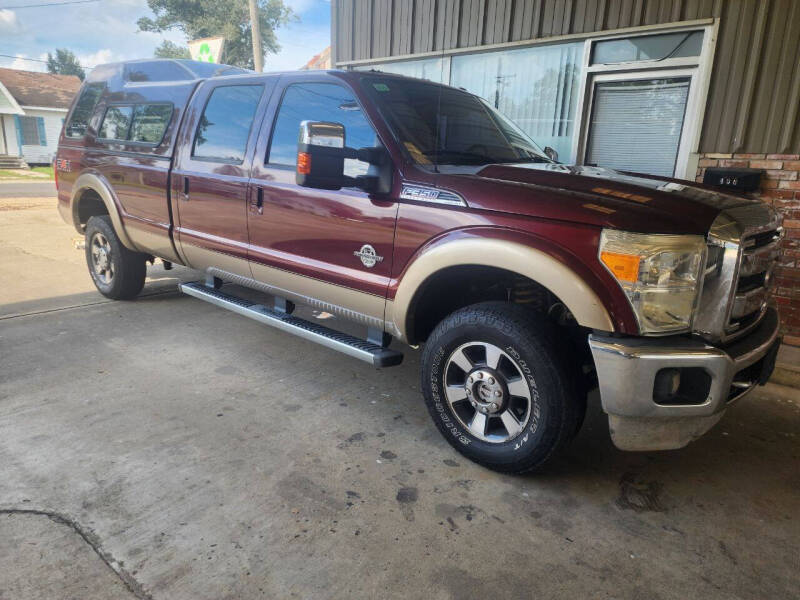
667 384
684 385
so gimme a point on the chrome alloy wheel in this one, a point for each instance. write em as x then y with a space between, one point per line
101 258
487 392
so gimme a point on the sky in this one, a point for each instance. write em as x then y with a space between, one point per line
105 31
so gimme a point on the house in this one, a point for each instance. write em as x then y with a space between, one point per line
319 61
32 110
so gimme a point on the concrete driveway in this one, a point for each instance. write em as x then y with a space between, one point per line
164 448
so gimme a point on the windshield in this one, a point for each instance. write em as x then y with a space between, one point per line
445 126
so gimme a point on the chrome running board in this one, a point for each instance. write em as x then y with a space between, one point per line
367 351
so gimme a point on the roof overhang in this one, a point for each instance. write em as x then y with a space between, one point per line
46 108
15 108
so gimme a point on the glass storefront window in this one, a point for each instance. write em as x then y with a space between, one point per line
648 47
537 88
431 69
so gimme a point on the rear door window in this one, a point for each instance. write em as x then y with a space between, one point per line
224 127
116 123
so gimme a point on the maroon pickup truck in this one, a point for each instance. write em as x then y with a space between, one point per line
422 215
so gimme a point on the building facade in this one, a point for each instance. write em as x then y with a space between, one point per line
32 110
668 87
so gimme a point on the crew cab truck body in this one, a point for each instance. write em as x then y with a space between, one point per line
420 213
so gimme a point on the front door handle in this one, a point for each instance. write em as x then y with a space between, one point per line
185 188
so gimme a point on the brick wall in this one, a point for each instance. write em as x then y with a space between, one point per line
780 187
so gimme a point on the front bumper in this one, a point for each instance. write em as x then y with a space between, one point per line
627 369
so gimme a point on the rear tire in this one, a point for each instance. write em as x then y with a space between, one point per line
500 386
117 272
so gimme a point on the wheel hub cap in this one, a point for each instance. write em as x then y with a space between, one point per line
101 258
486 391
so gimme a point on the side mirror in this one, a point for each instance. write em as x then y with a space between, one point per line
551 153
321 152
320 155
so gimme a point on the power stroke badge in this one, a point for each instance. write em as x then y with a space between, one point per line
368 256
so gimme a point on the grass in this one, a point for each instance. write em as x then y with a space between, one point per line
47 170
23 174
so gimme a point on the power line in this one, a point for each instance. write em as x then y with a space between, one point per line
39 60
47 4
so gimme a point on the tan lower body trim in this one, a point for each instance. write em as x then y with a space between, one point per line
341 301
202 259
151 241
347 303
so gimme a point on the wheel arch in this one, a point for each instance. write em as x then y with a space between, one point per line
516 257
91 188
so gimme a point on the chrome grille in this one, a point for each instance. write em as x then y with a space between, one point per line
743 248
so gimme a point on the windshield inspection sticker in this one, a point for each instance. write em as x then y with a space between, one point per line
381 87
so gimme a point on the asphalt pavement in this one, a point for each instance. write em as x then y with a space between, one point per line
164 448
27 189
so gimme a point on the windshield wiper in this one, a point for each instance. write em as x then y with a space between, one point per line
529 159
456 154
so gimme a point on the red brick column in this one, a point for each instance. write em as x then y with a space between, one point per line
780 187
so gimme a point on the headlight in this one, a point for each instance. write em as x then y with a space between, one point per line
660 274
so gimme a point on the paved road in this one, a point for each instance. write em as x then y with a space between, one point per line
201 456
27 189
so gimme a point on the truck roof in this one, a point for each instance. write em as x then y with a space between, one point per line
160 70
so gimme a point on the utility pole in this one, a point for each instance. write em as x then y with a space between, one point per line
255 30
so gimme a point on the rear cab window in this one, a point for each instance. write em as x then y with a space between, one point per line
224 127
84 108
139 123
116 123
320 102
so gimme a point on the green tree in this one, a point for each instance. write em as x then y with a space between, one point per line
169 49
64 63
230 19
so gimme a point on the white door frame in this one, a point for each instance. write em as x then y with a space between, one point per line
686 166
689 117
3 143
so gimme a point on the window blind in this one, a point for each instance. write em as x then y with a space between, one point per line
636 125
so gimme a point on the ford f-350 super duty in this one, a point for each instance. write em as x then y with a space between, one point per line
420 213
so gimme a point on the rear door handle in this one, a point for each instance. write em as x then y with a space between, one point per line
258 205
185 188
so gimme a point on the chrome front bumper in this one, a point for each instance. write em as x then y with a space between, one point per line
627 369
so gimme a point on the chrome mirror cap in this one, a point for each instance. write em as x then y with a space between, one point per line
321 133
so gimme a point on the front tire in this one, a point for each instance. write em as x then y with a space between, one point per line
117 272
500 388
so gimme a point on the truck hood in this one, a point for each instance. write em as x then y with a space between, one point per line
594 196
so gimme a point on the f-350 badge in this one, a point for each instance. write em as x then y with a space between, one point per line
368 256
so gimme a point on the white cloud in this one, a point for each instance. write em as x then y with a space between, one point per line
20 63
9 24
106 55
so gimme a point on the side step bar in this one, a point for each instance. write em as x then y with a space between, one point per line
343 342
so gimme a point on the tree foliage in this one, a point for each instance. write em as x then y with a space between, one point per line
169 49
230 19
64 63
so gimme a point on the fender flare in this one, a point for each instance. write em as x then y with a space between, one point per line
547 271
90 181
